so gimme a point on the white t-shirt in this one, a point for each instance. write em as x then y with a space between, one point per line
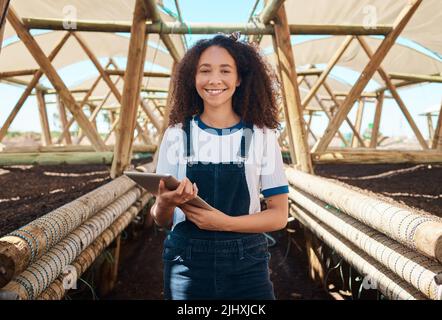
264 168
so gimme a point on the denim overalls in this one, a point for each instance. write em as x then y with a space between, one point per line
201 264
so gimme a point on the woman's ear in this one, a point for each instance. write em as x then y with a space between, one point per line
238 82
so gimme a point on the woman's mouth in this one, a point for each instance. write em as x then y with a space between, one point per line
214 92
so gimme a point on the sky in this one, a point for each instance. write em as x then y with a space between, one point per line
393 123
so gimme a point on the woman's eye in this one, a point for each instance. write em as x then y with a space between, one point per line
204 71
225 71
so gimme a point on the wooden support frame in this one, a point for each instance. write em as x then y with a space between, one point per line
30 87
55 79
66 135
292 102
46 138
145 74
4 5
131 90
18 73
396 96
374 63
437 139
377 121
358 122
166 28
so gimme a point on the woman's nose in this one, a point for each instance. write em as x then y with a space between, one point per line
214 80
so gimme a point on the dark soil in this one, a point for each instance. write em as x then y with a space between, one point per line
418 186
28 193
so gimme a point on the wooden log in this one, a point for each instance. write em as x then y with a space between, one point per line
8 74
44 122
30 87
367 74
4 5
430 126
51 264
396 96
55 79
358 122
53 158
131 90
71 148
376 156
377 121
415 230
206 28
151 12
437 139
294 116
22 247
145 74
420 271
393 287
66 135
57 289
416 77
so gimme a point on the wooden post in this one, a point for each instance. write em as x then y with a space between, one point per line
131 91
45 131
29 88
396 96
367 74
377 121
55 79
358 122
430 126
64 121
4 4
294 116
437 139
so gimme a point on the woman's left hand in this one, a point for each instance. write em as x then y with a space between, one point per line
214 220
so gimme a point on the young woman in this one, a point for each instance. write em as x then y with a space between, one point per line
222 145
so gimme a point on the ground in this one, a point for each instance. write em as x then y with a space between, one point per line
29 192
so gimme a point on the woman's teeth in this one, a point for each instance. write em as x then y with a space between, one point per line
214 92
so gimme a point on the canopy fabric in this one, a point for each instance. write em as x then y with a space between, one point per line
400 59
424 27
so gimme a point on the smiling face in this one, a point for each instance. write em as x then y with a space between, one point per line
216 77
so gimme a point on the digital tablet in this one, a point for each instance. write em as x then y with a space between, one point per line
151 182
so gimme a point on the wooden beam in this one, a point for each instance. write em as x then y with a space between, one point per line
131 90
338 54
337 104
29 88
377 121
4 5
430 126
367 74
153 14
71 148
55 79
327 112
64 122
166 28
270 10
82 103
437 139
294 116
18 73
396 96
358 122
145 74
44 122
416 77
53 158
377 156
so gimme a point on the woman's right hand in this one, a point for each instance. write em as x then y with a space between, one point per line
172 198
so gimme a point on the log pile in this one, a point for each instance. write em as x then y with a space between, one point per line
43 259
397 247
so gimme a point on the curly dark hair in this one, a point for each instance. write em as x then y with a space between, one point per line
255 100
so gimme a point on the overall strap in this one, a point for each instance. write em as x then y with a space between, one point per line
246 139
187 129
